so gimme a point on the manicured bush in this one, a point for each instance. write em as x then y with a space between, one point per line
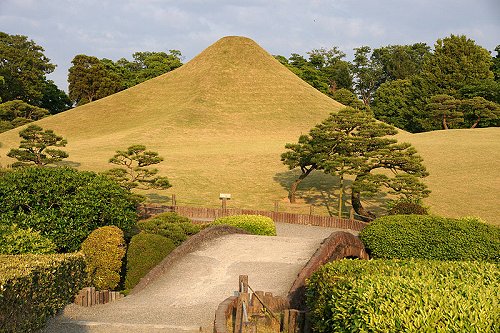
407 208
64 204
255 224
34 287
104 250
145 251
14 240
405 296
170 225
431 237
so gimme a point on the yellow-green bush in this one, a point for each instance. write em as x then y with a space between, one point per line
34 287
144 252
14 240
104 250
170 225
254 224
405 296
431 237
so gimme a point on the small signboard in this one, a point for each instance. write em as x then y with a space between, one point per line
223 196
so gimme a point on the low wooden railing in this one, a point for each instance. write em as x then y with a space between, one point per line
204 213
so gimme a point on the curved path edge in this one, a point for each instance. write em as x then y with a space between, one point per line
191 244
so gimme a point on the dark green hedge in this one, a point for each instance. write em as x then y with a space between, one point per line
431 237
34 287
63 204
254 224
145 251
170 225
405 296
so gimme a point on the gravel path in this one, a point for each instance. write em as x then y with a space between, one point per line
186 297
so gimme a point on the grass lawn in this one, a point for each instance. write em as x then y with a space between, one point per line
221 122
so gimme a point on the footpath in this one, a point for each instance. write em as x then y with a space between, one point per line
186 296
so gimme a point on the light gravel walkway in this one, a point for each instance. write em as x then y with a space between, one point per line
186 297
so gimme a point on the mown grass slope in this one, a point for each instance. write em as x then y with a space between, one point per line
221 121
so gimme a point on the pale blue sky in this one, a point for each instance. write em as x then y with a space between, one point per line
117 28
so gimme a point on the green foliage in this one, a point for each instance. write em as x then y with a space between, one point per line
134 173
255 224
352 142
14 240
404 296
89 79
64 205
23 69
170 225
407 208
104 250
35 287
54 99
431 237
17 113
445 109
34 148
145 251
348 98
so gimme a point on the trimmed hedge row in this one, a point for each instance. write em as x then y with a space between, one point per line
405 296
34 287
431 237
254 224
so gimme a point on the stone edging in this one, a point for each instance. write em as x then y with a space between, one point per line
338 245
222 313
191 244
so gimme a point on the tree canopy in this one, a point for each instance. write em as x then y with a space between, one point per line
352 142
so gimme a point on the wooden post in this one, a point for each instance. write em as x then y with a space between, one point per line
241 313
351 214
276 205
224 204
311 208
174 200
243 284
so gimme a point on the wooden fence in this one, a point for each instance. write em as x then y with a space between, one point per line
208 214
89 296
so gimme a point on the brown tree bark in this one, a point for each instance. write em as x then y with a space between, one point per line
358 206
295 184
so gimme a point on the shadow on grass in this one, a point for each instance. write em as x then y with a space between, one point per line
321 190
69 164
158 198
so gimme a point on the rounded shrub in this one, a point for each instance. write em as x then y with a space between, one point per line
145 251
407 208
64 204
14 240
431 237
255 224
170 225
104 250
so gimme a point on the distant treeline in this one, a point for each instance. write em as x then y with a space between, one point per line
414 87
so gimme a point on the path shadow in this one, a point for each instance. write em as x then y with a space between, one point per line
158 198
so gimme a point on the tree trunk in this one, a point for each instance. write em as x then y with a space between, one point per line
477 122
295 184
341 194
358 207
445 125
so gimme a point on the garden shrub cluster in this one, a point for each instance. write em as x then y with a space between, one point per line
407 208
255 224
14 240
145 251
405 296
431 237
104 250
34 287
64 204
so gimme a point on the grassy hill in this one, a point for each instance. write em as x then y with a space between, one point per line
221 121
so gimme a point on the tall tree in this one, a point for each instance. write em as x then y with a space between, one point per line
23 67
35 147
352 142
367 73
89 80
54 99
457 61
